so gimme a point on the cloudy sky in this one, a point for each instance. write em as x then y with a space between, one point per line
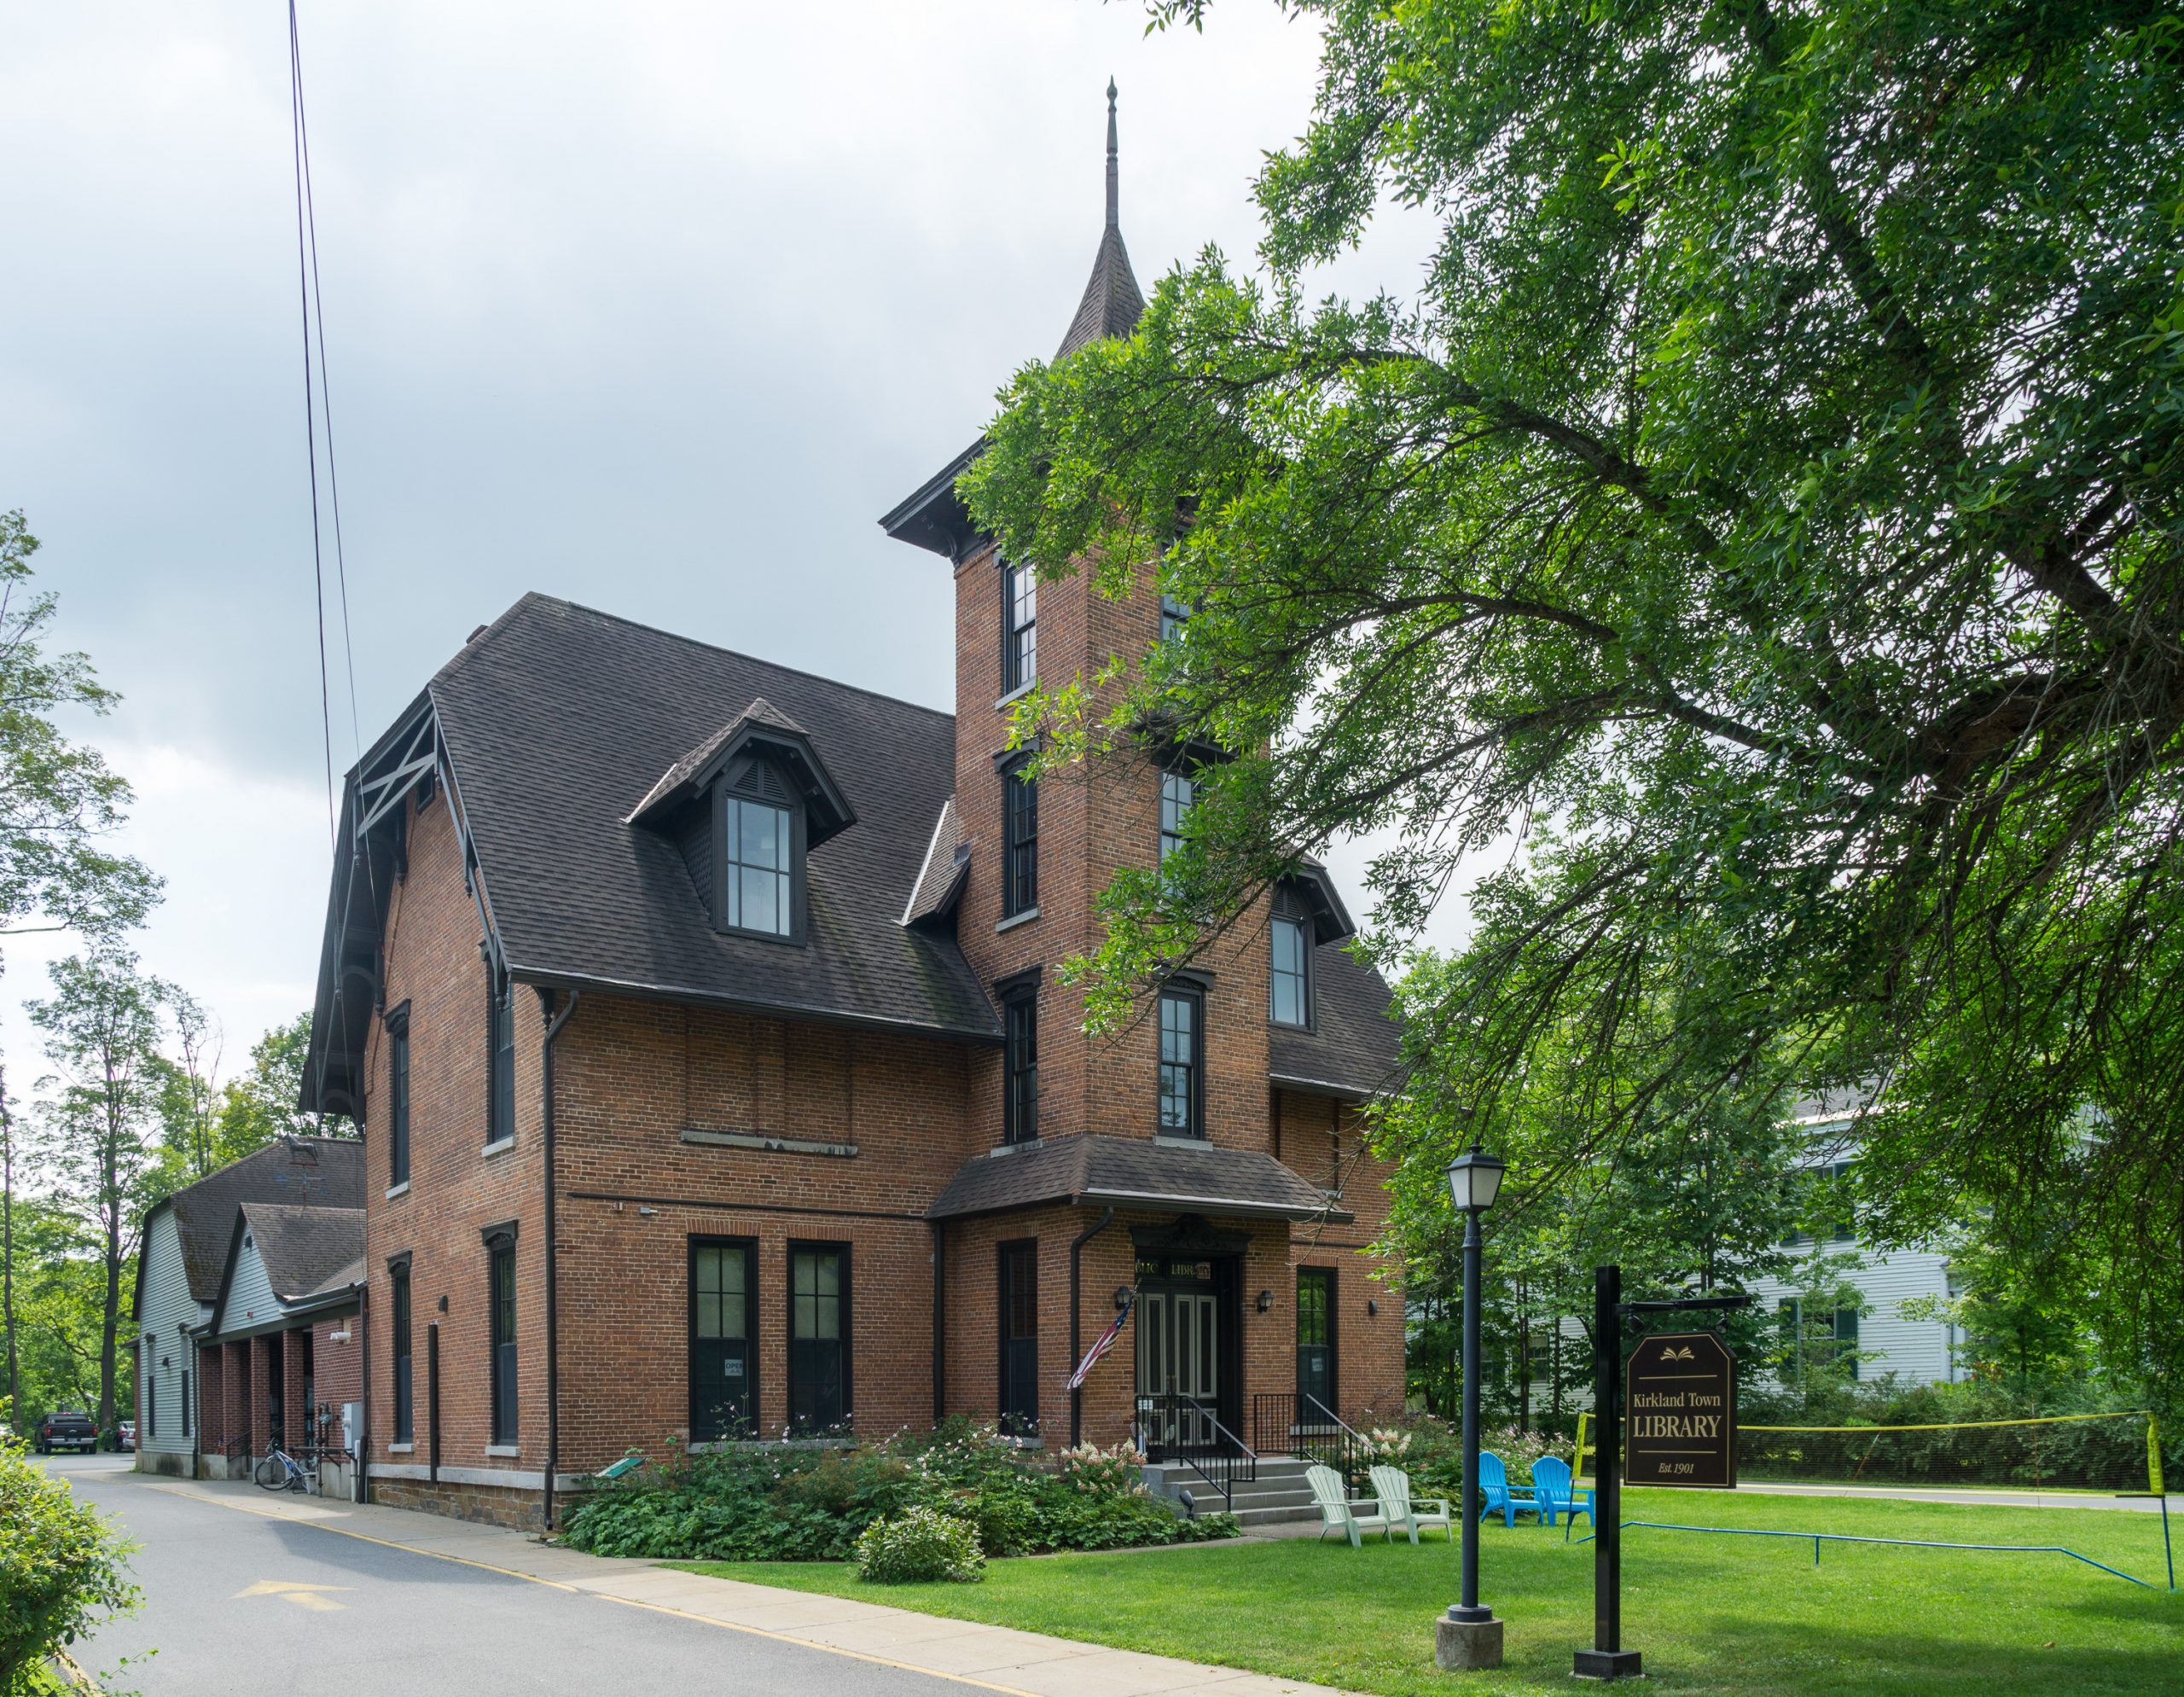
653 305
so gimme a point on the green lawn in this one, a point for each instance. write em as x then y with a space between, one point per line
1711 1614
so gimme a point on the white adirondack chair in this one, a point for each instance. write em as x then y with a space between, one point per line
1398 1507
1336 1510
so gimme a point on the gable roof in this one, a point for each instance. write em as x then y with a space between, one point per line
555 722
303 1248
321 1173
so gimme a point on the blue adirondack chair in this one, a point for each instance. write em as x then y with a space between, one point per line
1558 1493
1496 1494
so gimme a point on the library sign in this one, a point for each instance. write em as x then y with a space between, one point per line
1680 1412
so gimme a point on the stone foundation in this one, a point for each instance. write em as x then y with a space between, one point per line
489 1505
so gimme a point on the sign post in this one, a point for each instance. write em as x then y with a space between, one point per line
1677 1408
1608 1659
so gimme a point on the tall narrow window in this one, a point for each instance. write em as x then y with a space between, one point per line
1020 1062
1020 627
723 1334
1177 794
757 847
1019 1337
500 1036
1174 616
1315 1345
1182 1017
501 1291
818 1336
403 1427
397 1097
1846 1339
151 1400
1292 978
1020 876
185 1402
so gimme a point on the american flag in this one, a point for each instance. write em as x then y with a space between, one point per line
1107 1342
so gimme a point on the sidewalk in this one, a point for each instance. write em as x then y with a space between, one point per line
969 1653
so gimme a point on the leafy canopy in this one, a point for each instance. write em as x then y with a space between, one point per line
1762 527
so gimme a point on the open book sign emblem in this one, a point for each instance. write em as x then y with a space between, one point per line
1683 1354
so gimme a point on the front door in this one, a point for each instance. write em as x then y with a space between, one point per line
1315 1345
1181 1381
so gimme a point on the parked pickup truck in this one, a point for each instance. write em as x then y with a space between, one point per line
67 1429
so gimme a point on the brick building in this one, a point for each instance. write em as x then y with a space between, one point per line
702 1019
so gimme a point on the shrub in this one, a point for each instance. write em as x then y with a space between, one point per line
1088 1468
60 1570
918 1546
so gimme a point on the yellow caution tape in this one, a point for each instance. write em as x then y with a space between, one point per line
1958 1425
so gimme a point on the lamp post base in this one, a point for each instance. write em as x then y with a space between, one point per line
1608 1664
1462 1643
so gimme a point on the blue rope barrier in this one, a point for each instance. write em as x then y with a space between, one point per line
1910 1543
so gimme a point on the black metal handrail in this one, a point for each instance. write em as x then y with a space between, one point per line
1171 1427
1308 1428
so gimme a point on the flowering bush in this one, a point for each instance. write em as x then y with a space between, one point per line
919 1546
1103 1473
791 1503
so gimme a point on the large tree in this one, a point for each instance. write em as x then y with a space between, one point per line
1761 529
98 1135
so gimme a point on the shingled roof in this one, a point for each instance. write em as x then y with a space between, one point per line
1134 1172
303 1249
313 1173
1112 301
558 720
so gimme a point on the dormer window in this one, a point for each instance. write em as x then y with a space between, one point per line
1290 974
746 807
757 840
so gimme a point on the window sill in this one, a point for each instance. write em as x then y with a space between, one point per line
394 1190
1018 1147
1015 919
1177 1140
1016 694
499 1148
401 1449
503 1448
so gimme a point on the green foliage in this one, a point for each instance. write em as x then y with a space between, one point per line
57 798
260 1106
61 1570
1763 531
796 1503
918 1546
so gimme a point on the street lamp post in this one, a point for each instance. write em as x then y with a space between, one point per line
1468 1636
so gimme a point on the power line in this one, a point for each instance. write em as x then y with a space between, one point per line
311 418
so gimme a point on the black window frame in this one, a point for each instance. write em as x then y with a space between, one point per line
184 1389
397 1097
1020 807
1016 1383
1328 1279
1020 1065
705 1425
504 1427
1175 617
1172 837
1285 921
799 1391
401 1353
1194 1093
500 1057
1019 633
151 1400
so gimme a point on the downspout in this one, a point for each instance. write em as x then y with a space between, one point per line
1077 1320
363 1458
553 1328
939 1321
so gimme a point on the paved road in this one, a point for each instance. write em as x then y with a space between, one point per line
237 1604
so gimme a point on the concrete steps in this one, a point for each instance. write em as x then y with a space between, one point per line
1278 1494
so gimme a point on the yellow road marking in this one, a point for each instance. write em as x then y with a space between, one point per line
604 1596
295 1591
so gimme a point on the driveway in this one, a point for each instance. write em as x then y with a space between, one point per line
248 1591
237 1603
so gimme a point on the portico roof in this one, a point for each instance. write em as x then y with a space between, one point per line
1134 1172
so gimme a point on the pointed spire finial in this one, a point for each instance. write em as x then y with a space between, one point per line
1114 212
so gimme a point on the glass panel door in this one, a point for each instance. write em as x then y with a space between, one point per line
818 1339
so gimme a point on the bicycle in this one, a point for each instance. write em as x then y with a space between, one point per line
279 1471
